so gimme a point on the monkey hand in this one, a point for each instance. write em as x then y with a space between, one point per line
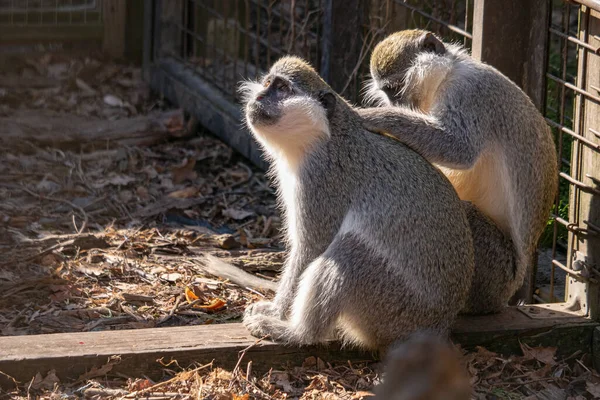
371 119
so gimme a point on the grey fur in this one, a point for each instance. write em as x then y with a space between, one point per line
399 271
474 110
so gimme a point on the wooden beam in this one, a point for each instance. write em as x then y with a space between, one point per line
342 40
512 36
72 354
19 34
114 17
585 159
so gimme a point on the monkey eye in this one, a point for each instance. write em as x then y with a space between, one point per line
282 85
267 83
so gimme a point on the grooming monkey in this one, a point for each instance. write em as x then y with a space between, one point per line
369 260
482 131
425 367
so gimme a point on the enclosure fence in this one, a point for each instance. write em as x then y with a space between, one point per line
197 51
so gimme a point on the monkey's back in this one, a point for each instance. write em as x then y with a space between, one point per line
405 221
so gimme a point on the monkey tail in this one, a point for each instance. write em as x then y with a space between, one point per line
214 266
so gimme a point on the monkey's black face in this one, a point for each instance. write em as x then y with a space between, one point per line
265 107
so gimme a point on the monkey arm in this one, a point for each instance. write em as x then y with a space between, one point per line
447 142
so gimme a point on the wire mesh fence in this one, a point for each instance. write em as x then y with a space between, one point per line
49 12
572 100
224 42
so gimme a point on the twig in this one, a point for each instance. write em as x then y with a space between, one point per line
75 206
160 384
167 317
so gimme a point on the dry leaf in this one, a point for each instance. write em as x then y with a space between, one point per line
361 395
91 269
113 101
186 193
236 214
242 397
103 370
593 389
190 296
173 277
84 86
185 171
542 354
45 383
214 305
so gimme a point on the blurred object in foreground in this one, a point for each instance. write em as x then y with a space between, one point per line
424 368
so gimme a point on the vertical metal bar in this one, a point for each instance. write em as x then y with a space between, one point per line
257 49
156 46
234 75
147 57
326 39
269 32
466 28
564 57
227 37
292 44
184 31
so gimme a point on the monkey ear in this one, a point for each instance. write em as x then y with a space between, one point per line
328 101
433 44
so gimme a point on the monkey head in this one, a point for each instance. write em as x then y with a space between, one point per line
392 60
289 109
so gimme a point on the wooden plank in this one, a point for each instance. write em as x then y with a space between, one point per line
217 114
511 35
80 133
72 354
134 30
342 42
588 171
18 34
114 17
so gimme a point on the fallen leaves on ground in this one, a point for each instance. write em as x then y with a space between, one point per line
493 377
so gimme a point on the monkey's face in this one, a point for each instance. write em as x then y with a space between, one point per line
289 109
391 61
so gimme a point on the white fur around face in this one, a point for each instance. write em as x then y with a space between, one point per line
373 96
303 123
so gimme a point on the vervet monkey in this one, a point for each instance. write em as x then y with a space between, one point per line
476 125
425 367
379 242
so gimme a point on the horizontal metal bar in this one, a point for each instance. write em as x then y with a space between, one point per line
582 186
572 272
575 40
593 227
571 227
573 87
453 28
582 139
593 4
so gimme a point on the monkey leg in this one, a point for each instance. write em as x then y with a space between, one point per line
315 308
495 279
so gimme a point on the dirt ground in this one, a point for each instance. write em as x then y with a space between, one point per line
111 234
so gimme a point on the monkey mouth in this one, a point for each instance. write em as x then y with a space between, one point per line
261 112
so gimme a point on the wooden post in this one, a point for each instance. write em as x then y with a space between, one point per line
342 39
587 215
114 14
512 36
